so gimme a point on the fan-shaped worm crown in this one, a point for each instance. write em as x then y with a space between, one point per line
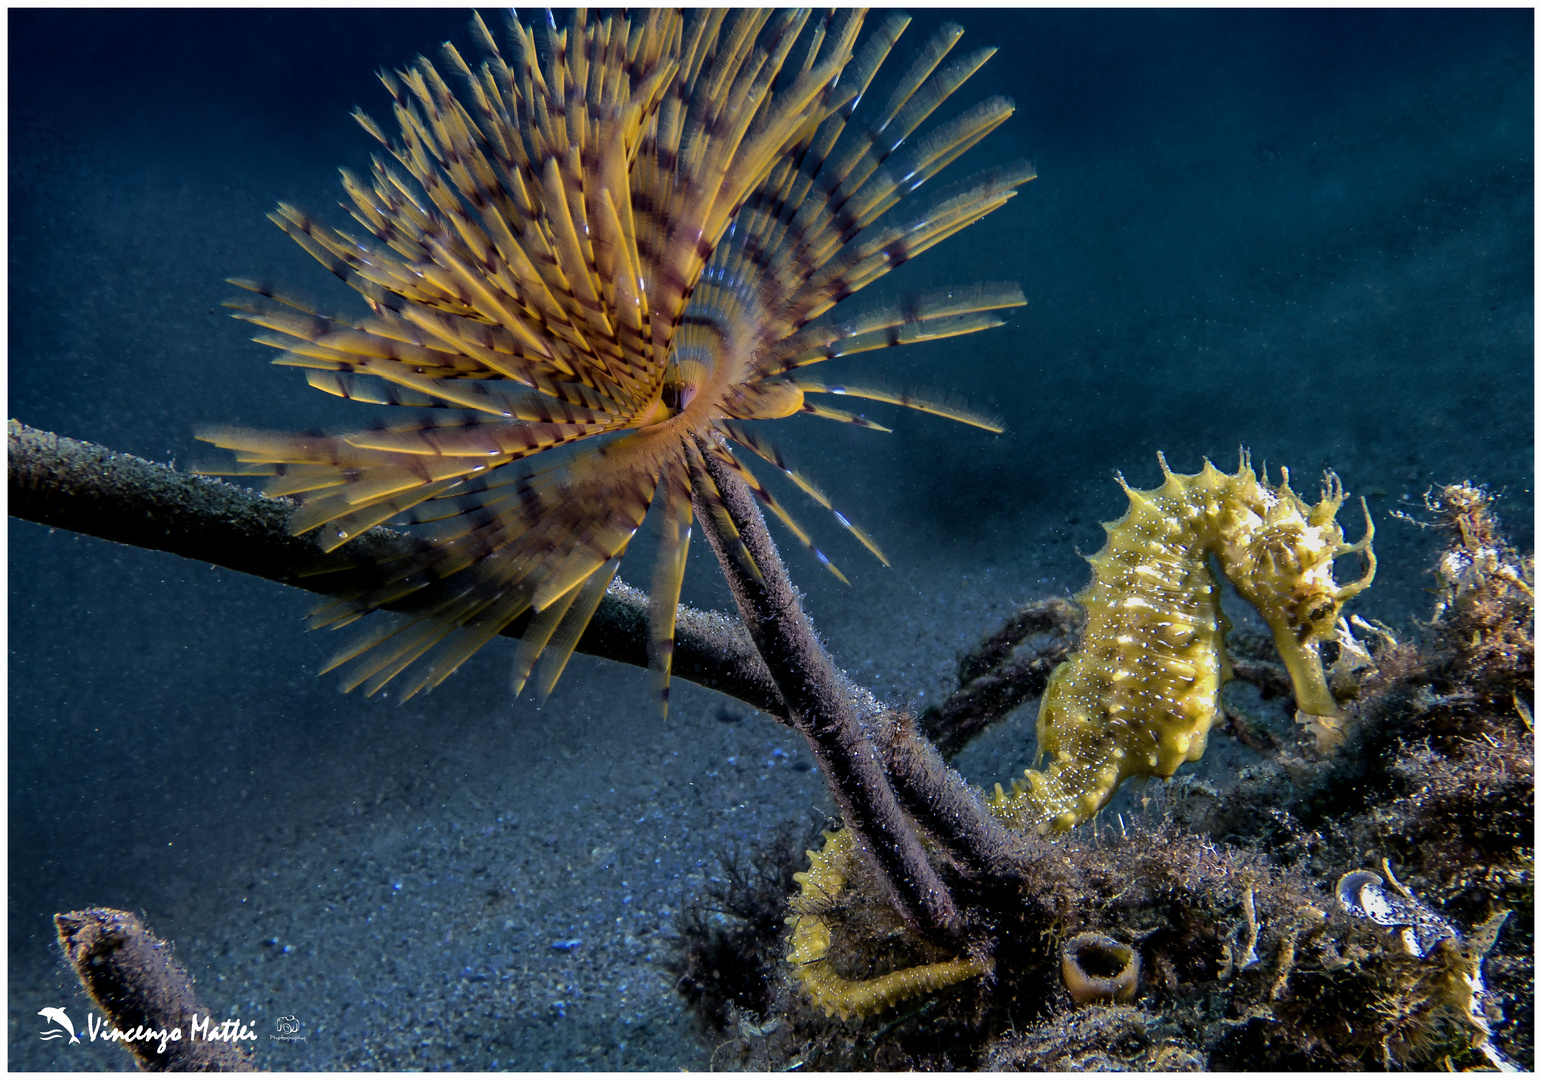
592 266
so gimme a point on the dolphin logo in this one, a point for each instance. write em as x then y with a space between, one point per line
60 1017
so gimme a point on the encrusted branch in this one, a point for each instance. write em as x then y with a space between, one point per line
67 484
820 706
943 802
997 675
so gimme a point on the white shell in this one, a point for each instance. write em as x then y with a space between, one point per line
1362 895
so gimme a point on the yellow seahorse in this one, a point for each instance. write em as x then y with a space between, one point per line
809 954
1139 696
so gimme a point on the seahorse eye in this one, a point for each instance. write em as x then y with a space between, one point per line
1315 614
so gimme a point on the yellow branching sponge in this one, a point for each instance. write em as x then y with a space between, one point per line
820 886
1139 696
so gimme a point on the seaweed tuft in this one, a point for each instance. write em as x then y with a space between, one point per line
729 945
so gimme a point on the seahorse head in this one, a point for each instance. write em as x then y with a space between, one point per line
1280 557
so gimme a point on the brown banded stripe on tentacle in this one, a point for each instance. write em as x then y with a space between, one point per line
858 191
877 250
771 208
910 401
929 316
753 441
769 501
841 416
772 250
705 488
539 542
746 271
810 227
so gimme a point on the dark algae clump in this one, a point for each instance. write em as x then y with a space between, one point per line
730 950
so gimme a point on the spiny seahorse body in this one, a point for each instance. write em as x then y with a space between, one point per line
1139 696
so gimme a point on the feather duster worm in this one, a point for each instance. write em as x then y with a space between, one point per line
593 265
